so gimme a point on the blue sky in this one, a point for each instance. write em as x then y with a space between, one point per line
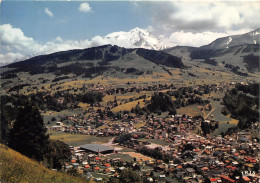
29 28
70 23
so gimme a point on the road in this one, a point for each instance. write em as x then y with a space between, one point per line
209 113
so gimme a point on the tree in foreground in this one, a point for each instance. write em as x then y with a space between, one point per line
58 153
28 135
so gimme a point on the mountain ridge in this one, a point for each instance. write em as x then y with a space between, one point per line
91 61
252 37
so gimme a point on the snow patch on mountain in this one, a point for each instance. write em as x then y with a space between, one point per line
135 38
229 40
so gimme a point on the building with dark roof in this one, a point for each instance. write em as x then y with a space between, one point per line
97 148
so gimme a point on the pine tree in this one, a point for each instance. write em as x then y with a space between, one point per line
58 154
28 135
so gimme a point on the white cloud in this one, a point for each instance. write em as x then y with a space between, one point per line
14 39
193 39
16 46
48 12
200 16
196 39
85 7
10 57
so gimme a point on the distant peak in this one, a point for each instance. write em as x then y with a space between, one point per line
136 38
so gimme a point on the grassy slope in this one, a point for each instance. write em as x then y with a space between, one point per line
192 110
16 167
128 106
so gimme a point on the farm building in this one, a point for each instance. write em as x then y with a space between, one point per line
97 148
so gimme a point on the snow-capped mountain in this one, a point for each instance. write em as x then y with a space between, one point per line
135 38
235 40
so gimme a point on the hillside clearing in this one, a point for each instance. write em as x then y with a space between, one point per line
128 106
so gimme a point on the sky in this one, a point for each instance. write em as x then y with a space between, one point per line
29 28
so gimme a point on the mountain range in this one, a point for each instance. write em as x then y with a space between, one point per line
94 61
236 57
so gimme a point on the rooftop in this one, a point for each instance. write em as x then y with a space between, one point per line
96 147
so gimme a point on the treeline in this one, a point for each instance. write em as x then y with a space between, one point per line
79 69
252 89
56 102
123 138
211 61
161 102
133 70
159 57
242 102
24 131
252 62
202 53
236 69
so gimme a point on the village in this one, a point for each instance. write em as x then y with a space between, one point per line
127 91
183 157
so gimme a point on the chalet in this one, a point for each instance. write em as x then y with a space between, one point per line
243 139
190 172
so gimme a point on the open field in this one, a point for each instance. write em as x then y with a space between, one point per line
232 121
77 139
138 156
139 125
222 128
83 105
217 112
192 110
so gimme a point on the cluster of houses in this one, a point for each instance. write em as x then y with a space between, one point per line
230 159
